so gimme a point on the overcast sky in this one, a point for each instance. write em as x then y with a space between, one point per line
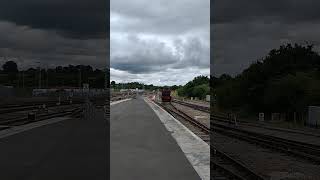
161 42
54 32
245 30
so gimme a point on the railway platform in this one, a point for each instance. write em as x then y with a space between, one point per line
147 144
59 148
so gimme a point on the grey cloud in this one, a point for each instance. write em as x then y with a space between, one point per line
244 31
54 32
149 56
158 40
160 17
73 18
166 77
290 11
28 45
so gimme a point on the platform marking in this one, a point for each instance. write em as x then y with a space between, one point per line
18 129
120 101
195 149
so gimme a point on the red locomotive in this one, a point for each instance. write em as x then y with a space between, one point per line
166 95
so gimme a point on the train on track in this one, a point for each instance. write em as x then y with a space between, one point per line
166 95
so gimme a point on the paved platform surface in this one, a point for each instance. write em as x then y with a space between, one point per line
142 148
69 149
195 149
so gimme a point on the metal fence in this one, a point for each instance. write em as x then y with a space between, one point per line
71 92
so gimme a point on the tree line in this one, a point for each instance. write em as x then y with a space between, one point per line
133 85
71 75
198 87
286 80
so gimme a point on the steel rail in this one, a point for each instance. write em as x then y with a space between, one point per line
194 106
307 151
221 162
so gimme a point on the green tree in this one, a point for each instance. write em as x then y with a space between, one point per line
201 91
292 93
287 79
113 84
10 67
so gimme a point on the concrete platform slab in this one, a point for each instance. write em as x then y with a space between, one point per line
9 131
66 149
196 150
120 101
142 148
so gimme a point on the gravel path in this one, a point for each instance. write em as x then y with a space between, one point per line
196 114
196 102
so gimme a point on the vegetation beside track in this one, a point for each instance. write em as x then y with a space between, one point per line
198 87
71 75
287 81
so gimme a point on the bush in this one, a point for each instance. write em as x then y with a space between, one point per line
286 80
198 87
200 91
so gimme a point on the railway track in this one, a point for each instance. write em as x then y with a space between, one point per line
222 118
194 106
224 166
233 170
26 107
303 150
198 128
74 112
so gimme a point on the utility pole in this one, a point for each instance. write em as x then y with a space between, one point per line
39 77
23 79
47 77
18 85
79 78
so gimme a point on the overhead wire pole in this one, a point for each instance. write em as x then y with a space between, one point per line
80 78
47 77
39 75
22 73
22 79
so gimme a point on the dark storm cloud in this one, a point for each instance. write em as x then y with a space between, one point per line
27 46
72 18
244 31
54 32
290 11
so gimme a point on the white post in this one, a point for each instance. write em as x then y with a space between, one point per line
261 117
59 100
